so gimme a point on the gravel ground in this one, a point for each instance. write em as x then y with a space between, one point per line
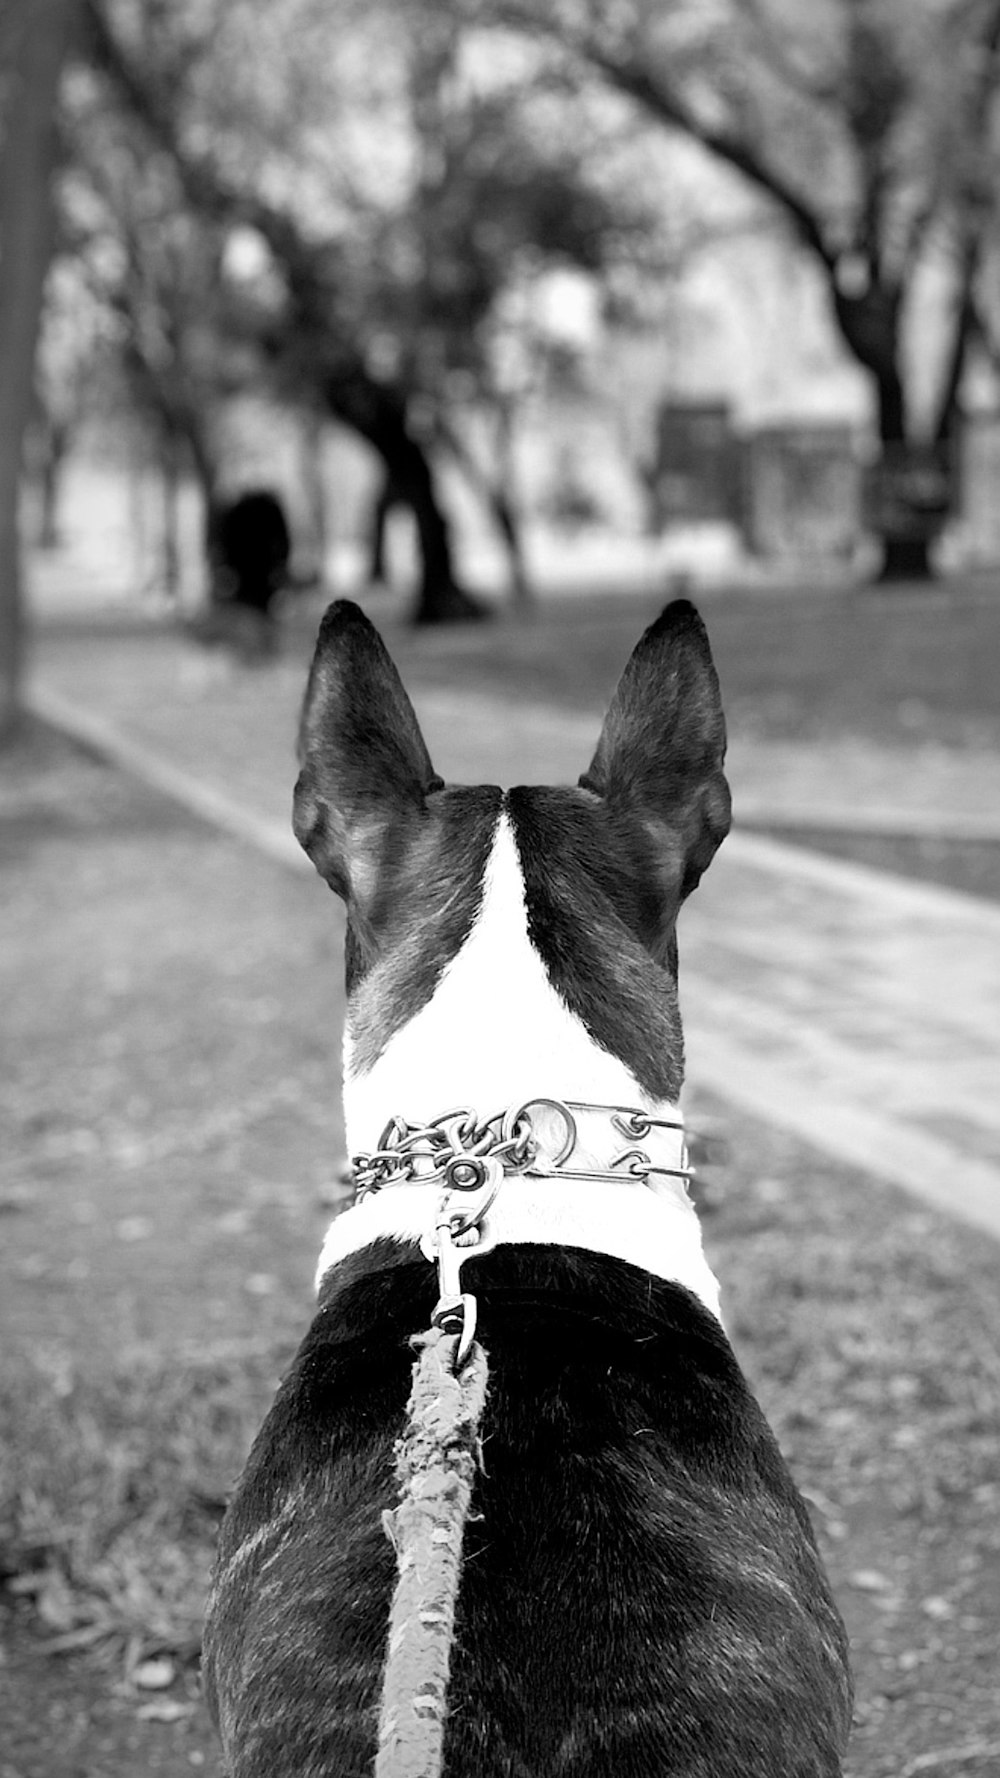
169 1096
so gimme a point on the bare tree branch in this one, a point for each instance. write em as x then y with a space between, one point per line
374 408
963 329
776 56
976 108
668 106
363 400
976 206
626 74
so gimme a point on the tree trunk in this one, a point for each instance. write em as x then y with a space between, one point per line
904 558
870 325
54 438
891 400
503 505
440 599
904 524
905 543
170 476
377 569
379 415
509 527
496 494
42 31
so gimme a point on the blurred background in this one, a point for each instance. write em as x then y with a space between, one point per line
511 319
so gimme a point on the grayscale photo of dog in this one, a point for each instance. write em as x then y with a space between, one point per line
515 1511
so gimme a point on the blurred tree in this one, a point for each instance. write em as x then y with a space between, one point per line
155 267
34 37
231 120
67 367
396 204
867 125
504 192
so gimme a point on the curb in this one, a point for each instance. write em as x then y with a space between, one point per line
212 806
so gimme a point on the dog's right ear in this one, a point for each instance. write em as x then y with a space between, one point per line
364 766
663 745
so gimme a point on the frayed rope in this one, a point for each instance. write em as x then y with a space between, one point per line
436 1462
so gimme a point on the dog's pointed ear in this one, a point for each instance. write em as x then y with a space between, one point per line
364 766
663 743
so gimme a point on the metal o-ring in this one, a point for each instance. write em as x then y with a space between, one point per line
512 1119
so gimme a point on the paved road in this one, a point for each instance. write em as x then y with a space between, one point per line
853 1008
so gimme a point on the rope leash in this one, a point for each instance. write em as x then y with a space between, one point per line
437 1456
436 1461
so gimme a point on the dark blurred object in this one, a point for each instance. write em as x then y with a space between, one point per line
910 494
694 475
252 548
388 498
249 553
802 492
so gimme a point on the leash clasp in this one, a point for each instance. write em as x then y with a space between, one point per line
455 1309
472 1183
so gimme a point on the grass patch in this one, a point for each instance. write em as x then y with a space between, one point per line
899 667
111 1491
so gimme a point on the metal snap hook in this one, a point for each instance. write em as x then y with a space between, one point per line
479 1178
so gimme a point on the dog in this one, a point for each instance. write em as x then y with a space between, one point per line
640 1592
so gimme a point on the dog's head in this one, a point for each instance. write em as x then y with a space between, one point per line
539 922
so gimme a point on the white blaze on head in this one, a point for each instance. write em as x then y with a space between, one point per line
495 1033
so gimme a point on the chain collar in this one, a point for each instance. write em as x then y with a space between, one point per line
470 1159
448 1147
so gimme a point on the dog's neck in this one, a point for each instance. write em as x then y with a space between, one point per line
495 1034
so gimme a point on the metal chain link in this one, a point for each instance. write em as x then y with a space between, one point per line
423 1152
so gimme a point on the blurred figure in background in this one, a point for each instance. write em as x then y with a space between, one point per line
250 550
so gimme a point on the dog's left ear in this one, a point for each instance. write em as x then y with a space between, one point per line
663 744
364 766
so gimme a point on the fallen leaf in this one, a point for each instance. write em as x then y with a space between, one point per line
155 1675
164 1710
55 1603
869 1580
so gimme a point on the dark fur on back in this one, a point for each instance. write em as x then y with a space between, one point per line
641 1591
